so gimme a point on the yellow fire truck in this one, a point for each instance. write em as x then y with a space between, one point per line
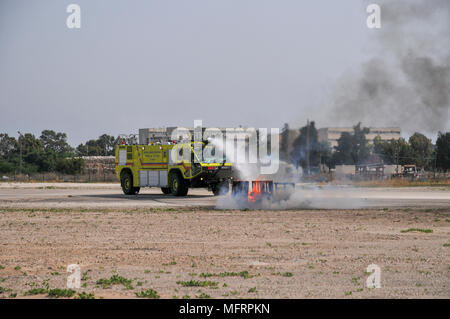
174 167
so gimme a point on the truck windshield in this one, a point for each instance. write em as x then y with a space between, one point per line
210 155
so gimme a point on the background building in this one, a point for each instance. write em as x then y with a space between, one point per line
332 134
148 135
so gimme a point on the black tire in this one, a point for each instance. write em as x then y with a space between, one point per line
221 188
177 184
127 184
166 190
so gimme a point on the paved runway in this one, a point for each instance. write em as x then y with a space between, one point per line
306 196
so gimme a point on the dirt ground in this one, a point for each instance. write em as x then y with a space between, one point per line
235 253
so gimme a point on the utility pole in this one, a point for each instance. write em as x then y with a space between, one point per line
20 152
435 160
397 149
307 146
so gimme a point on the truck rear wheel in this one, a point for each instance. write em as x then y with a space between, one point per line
127 184
178 185
166 190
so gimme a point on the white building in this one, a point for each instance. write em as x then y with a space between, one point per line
332 134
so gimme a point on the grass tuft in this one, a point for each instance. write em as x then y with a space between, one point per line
35 291
84 295
416 230
115 280
244 274
56 293
197 283
149 293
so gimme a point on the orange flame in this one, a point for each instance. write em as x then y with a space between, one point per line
256 191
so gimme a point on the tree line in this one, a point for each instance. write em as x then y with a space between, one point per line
49 152
354 149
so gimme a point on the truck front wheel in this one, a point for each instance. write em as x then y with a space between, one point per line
178 185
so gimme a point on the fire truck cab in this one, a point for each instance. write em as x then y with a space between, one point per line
173 167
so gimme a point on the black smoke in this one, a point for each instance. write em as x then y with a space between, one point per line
407 83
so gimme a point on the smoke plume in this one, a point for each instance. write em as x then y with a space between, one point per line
407 84
287 195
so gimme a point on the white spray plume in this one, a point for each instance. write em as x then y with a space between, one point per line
289 193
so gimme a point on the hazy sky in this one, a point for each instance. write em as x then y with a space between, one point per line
137 64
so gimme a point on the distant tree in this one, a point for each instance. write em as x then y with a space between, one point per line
353 148
55 142
34 154
308 149
70 166
421 150
107 144
45 161
103 146
342 154
382 150
91 148
443 151
284 143
6 167
326 155
49 152
29 148
28 143
8 146
395 151
361 150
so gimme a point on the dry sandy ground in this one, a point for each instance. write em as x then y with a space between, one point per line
287 254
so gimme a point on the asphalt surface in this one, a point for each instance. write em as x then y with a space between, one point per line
306 196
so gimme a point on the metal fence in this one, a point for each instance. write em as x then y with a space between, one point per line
97 169
100 177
